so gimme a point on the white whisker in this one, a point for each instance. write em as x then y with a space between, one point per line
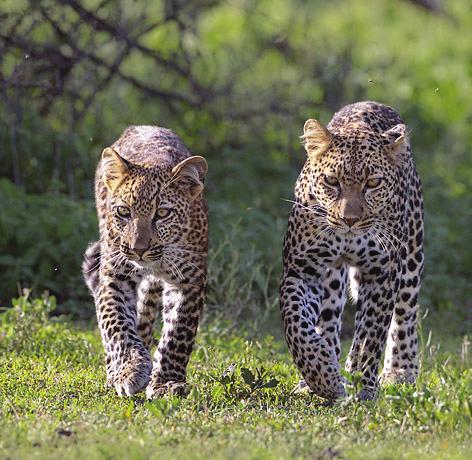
188 262
312 208
174 269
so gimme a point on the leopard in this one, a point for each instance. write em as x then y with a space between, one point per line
356 228
150 259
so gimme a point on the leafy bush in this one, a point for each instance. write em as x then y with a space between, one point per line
43 239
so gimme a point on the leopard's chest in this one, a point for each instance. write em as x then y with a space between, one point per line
370 253
364 251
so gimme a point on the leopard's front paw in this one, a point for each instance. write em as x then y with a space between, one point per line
367 394
110 380
330 385
159 389
133 374
398 376
301 388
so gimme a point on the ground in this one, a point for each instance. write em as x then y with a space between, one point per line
54 404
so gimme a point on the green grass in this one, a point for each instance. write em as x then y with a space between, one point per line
54 404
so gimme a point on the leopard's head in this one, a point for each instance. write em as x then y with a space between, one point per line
355 174
149 207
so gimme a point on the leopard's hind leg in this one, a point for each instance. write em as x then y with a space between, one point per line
401 360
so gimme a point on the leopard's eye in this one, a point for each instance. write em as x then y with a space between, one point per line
162 213
374 182
123 212
331 180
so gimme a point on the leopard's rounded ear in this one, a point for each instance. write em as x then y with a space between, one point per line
398 141
114 168
316 138
190 174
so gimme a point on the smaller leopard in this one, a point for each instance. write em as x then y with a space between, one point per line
358 211
151 256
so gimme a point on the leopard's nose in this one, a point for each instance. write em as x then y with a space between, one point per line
139 251
350 220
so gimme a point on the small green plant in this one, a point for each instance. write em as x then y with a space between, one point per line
353 383
258 380
239 383
24 319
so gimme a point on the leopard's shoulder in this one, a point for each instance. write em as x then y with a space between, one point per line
150 146
368 116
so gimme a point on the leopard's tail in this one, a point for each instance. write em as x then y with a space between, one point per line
91 266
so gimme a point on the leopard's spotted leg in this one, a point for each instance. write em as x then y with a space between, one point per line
182 307
128 360
148 305
329 322
334 299
91 274
315 357
401 360
373 316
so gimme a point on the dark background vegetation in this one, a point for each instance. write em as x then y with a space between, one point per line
235 79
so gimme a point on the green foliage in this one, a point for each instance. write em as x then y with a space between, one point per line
54 403
267 68
236 386
446 288
24 320
43 239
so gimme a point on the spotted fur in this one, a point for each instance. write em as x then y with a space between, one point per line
358 211
151 255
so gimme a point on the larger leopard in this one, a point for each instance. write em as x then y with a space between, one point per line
151 255
358 208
